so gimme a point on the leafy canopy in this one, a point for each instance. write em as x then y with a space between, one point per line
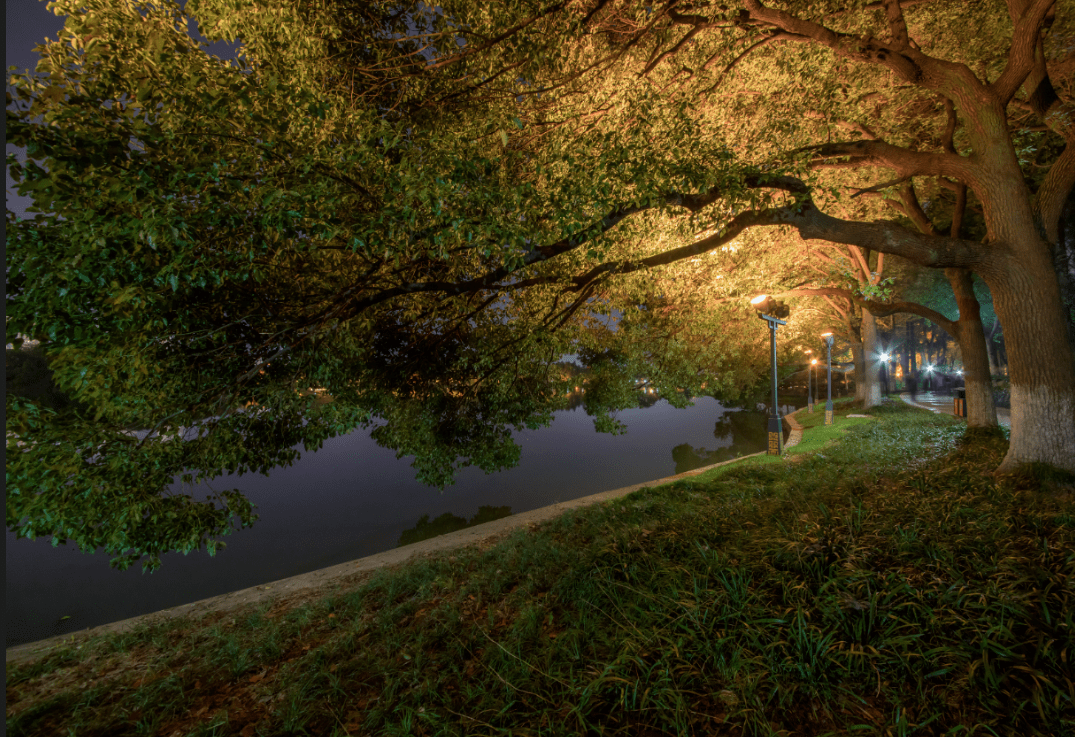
420 211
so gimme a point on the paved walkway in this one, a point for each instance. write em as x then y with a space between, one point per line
936 402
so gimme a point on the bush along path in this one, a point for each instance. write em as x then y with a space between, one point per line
876 580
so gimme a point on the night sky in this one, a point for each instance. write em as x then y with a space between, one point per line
29 23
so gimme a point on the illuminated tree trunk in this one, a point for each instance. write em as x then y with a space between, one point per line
1040 363
912 349
980 409
860 372
990 349
905 362
871 364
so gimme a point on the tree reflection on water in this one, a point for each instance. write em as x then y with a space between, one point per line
744 432
449 522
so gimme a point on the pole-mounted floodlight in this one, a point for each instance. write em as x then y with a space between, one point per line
771 311
828 404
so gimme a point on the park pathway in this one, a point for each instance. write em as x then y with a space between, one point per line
944 403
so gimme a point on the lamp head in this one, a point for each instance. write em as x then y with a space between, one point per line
885 356
762 303
813 360
766 305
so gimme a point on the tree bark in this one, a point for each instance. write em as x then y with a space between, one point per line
981 412
905 362
871 390
860 372
1064 258
1041 367
991 349
912 349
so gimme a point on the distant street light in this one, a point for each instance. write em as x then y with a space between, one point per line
766 304
828 404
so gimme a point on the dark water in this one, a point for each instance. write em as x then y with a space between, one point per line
352 499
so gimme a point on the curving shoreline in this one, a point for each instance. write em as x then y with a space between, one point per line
290 592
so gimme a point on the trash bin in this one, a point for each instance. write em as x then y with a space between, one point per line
961 403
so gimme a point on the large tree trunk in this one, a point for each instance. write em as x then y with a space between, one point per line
860 372
980 409
1040 362
1064 262
871 390
1020 272
990 349
905 363
912 349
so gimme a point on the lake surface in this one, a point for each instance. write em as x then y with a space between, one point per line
351 499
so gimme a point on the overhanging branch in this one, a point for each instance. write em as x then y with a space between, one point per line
878 309
1021 54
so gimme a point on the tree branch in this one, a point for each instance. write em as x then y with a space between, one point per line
884 236
839 310
878 309
897 26
670 52
850 47
879 187
914 210
1024 40
905 162
764 42
1054 191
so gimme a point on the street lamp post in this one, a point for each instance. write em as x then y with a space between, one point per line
828 404
763 304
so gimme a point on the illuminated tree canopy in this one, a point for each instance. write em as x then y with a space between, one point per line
422 211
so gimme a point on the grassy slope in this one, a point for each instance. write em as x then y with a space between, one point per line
876 580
